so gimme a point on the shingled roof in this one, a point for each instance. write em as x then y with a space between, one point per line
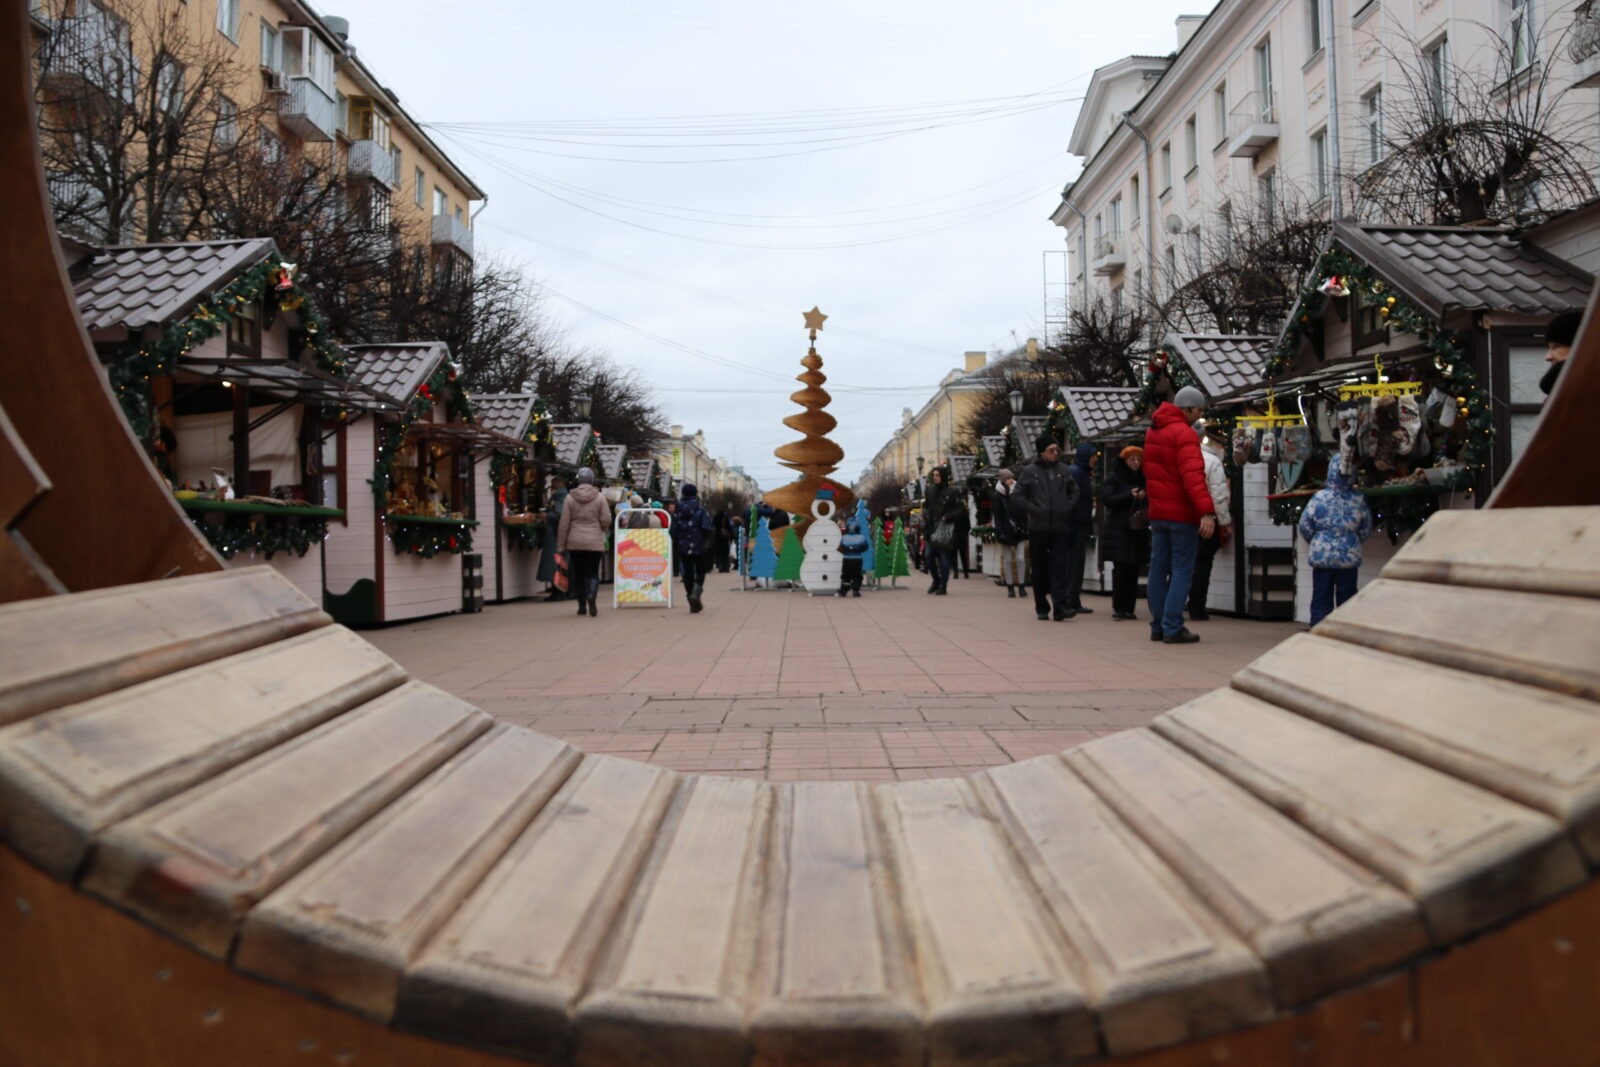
505 413
1098 411
136 286
397 370
611 460
567 440
1026 429
1222 364
1453 268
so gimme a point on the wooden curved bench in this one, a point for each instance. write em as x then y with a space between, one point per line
236 833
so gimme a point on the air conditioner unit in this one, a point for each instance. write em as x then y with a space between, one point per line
1174 224
276 81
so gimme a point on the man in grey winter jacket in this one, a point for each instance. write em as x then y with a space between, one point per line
1050 495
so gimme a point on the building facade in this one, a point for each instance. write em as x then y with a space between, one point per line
930 433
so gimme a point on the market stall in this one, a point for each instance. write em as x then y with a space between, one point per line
408 478
1103 417
226 375
507 485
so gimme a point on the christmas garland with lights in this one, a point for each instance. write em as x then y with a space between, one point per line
525 536
248 533
428 539
1341 275
442 385
270 280
1164 364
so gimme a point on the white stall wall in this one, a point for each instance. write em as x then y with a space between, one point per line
349 548
304 571
414 587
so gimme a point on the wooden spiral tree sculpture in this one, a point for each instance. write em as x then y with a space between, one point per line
814 456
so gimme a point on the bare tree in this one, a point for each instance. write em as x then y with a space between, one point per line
1469 143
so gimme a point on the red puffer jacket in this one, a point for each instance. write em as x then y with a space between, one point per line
1174 471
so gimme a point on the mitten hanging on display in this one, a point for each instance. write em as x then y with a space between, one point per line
1243 440
1295 444
1269 446
1347 419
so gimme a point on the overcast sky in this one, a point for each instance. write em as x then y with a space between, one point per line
686 179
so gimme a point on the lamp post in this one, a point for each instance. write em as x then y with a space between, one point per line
1015 397
585 404
921 462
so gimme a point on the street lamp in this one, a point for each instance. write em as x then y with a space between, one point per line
920 463
1015 397
585 406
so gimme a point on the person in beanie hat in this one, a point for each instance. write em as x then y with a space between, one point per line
1181 511
1050 496
581 534
1127 541
691 543
1011 532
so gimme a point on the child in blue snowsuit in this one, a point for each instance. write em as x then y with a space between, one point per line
852 546
1334 523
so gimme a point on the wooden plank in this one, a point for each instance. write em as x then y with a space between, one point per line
68 773
1159 967
997 986
834 981
1469 858
347 927
194 864
1318 920
506 970
1539 748
1542 640
1536 550
63 650
673 988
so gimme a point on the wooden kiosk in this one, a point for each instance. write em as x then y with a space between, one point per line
509 485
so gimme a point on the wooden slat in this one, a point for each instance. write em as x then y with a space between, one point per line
194 864
67 649
997 986
673 988
1549 641
835 984
1537 550
506 970
348 926
1469 858
1318 920
1159 966
68 773
1534 746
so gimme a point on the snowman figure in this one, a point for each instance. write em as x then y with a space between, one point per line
819 571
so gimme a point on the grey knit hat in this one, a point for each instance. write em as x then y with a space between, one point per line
1006 475
585 476
1190 397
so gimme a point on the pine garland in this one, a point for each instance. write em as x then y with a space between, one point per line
248 533
428 539
1164 364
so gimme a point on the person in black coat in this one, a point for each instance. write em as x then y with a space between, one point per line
1128 549
942 503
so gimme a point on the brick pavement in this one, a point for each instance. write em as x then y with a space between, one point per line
778 685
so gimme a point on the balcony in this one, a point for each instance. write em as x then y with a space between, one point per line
1110 255
369 159
451 232
91 53
79 208
1253 125
1584 46
308 111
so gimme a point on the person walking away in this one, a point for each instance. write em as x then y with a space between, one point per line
852 547
1082 471
962 552
691 543
1335 522
1126 542
1050 497
1181 511
1558 338
552 521
1010 532
721 539
1222 500
581 534
939 510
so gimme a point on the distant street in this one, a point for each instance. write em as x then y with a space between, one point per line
782 686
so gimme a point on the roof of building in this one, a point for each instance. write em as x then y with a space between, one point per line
1098 410
1026 429
611 459
567 440
505 413
397 370
1455 268
1223 364
135 286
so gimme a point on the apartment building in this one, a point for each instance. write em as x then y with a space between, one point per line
1265 99
930 432
294 74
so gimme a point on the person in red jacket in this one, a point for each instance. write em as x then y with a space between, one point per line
1181 511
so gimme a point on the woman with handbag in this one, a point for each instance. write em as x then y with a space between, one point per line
581 537
1127 537
1011 531
939 510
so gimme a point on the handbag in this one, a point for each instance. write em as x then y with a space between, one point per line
562 579
944 534
1139 517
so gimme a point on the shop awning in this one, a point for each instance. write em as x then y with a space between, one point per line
466 435
289 381
1333 372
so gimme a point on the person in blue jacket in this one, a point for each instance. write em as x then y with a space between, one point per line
1334 523
852 548
1082 472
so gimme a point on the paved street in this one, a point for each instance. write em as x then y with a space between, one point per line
782 686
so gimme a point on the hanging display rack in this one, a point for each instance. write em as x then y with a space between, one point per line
1381 387
1273 419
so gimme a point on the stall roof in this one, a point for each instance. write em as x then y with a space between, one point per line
397 370
567 440
292 380
1026 429
138 286
504 413
1098 411
1455 268
611 458
1223 364
470 434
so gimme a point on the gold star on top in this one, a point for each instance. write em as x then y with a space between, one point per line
814 318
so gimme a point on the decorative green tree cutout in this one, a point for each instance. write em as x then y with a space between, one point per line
790 557
894 562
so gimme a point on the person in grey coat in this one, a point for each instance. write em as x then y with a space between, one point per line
1050 496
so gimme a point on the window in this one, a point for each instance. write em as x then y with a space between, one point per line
227 133
1519 33
397 162
1115 217
228 19
341 112
244 330
1436 75
1314 25
1166 168
271 146
1191 141
1099 227
1319 163
368 122
1116 300
1267 190
1133 199
271 47
1219 107
416 193
1265 109
1225 225
1172 268
1194 251
441 203
460 217
374 207
1372 119
305 55
169 85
